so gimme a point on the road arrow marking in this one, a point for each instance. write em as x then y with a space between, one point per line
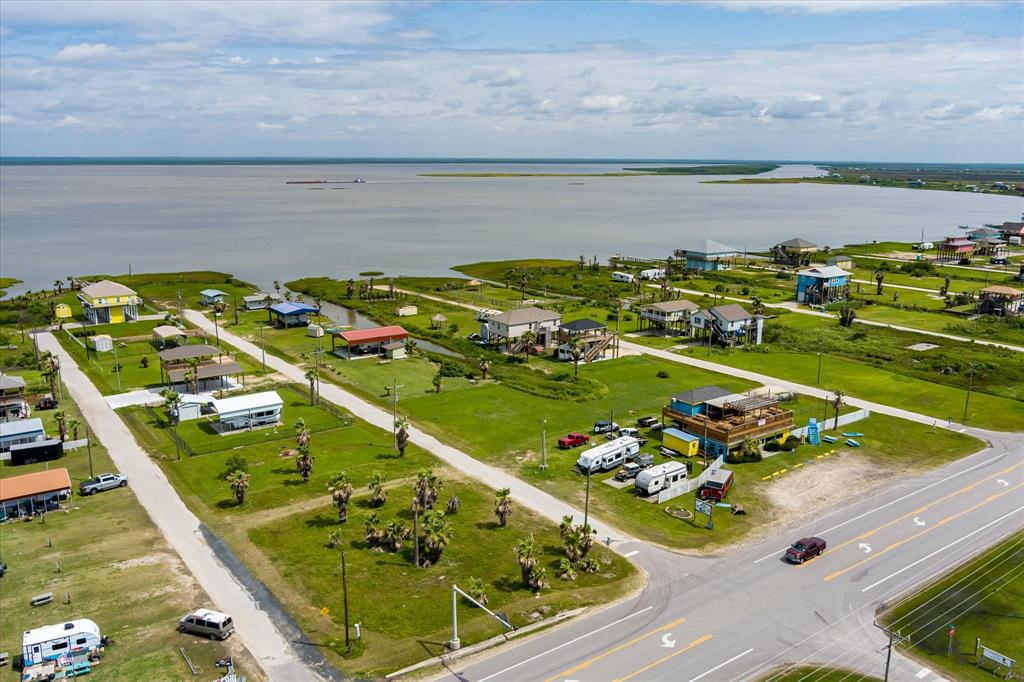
1002 482
667 642
866 547
919 522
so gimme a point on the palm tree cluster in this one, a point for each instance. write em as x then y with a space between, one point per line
534 575
390 536
50 365
378 496
304 462
437 535
341 492
503 506
577 541
402 436
426 489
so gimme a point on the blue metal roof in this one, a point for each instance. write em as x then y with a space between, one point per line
288 308
210 293
681 435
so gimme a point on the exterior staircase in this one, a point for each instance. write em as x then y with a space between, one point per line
813 436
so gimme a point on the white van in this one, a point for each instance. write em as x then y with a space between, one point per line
207 623
658 478
51 642
622 277
609 455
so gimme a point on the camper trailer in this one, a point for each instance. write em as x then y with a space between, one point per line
661 477
622 277
652 274
56 641
609 455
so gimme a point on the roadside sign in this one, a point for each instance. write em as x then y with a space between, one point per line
997 657
703 507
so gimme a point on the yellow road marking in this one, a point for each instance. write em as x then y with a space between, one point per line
920 510
565 673
941 523
686 648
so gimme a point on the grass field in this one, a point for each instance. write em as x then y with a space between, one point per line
810 673
119 572
983 598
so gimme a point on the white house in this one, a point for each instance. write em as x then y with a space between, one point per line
512 324
260 301
210 297
674 315
13 405
729 324
249 411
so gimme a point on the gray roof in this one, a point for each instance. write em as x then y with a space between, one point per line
707 247
700 395
198 350
674 306
824 271
582 326
526 316
9 381
798 243
732 312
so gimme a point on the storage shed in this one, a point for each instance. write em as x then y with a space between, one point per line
394 350
407 310
102 343
684 443
166 334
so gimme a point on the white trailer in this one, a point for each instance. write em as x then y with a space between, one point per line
658 478
609 455
653 274
622 277
51 642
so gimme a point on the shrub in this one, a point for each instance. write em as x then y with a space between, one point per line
745 290
662 374
450 368
235 462
453 329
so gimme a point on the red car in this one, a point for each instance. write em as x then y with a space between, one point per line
573 440
805 549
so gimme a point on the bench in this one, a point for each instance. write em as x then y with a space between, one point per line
40 599
4 658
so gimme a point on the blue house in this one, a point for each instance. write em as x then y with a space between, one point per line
210 297
291 314
707 254
692 402
822 285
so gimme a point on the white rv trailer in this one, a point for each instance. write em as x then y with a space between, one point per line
658 478
609 455
55 641
622 277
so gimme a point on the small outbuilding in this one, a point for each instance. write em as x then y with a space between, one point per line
290 314
20 431
260 300
248 411
685 444
166 335
407 310
394 350
33 493
62 311
102 343
368 341
844 262
438 321
315 331
210 297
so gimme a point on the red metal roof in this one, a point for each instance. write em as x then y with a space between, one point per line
26 485
374 335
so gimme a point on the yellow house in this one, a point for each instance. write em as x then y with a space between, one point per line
106 302
62 311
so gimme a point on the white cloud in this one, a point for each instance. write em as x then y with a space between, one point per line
319 60
273 61
803 106
823 6
603 102
261 125
238 60
68 120
85 52
297 119
496 78
7 118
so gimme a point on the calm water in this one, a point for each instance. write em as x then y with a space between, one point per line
57 221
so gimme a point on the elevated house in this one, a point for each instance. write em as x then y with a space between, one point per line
260 300
33 493
991 247
707 254
822 285
983 232
211 297
107 302
1001 300
288 314
509 327
13 403
953 249
594 339
669 316
1011 229
21 431
729 325
795 251
368 342
723 420
211 366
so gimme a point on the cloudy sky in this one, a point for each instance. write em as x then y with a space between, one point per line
773 79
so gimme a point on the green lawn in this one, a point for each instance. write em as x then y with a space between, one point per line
119 572
984 598
810 673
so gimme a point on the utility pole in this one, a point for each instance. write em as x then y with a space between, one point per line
543 444
970 385
821 352
344 592
263 350
180 302
586 504
88 448
117 367
894 639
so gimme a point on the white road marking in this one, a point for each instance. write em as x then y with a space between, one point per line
865 546
1002 482
922 673
720 665
889 504
942 549
633 553
564 644
919 522
960 430
667 642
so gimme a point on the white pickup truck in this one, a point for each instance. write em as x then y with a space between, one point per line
101 483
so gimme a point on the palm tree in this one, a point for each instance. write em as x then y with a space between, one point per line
378 495
311 376
341 493
239 482
529 567
565 527
485 367
477 587
50 365
62 424
192 374
528 339
301 433
350 288
72 426
58 286
334 540
171 400
277 286
394 535
427 488
437 380
837 403
373 531
453 505
304 463
402 435
437 534
879 278
582 263
576 353
503 506
410 345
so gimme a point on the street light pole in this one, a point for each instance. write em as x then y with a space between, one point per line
88 448
821 352
586 504
970 385
263 350
344 592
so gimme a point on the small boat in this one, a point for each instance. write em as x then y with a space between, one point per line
359 181
852 443
852 434
829 439
305 182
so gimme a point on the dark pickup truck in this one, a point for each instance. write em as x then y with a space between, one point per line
805 549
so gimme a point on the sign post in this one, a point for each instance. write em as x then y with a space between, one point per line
952 633
704 507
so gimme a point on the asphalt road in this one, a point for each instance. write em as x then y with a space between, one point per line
739 616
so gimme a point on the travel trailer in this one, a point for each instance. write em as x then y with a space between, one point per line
610 455
56 641
661 477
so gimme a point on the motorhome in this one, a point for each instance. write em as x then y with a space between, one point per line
609 455
622 277
661 477
56 641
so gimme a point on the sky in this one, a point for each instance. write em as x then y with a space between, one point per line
882 80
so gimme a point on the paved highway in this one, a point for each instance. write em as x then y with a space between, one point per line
736 617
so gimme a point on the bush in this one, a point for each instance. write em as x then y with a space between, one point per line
662 374
451 369
235 462
740 457
453 329
745 291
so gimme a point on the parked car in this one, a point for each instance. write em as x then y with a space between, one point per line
634 433
47 402
805 549
573 440
605 426
646 422
101 483
628 472
997 260
208 623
